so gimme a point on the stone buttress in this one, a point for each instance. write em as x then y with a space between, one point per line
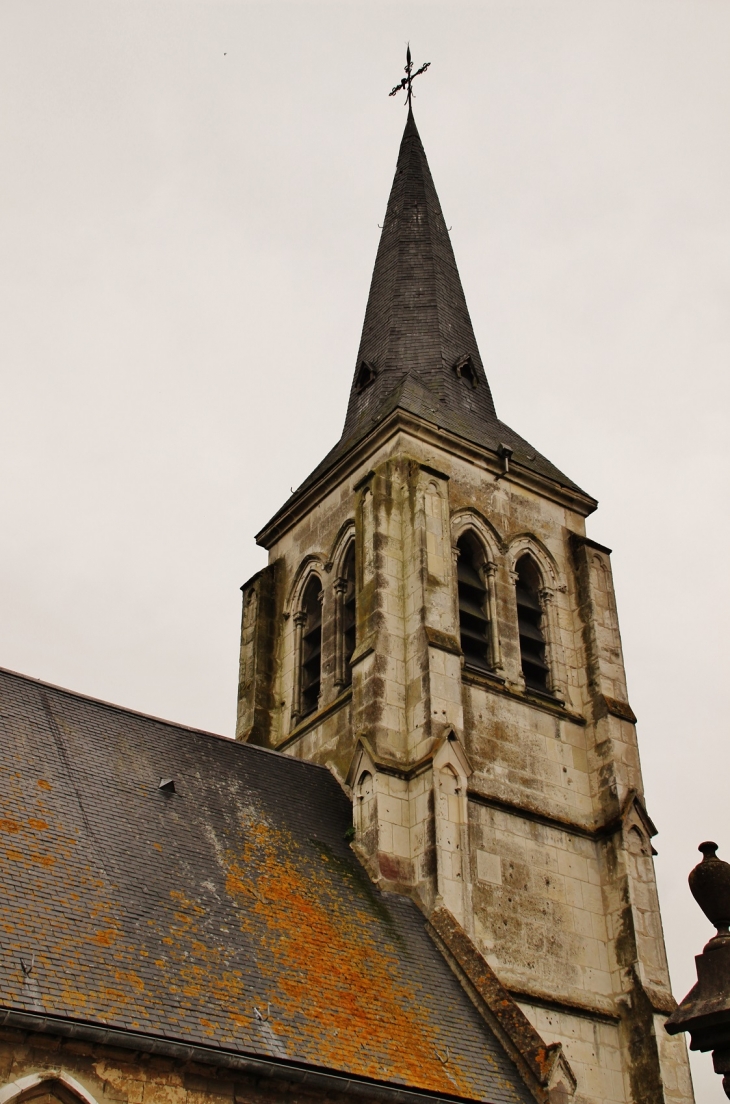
500 788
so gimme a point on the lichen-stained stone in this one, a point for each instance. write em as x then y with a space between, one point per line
72 1072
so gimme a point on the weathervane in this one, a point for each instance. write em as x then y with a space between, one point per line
410 76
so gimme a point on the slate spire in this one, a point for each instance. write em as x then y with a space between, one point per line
418 352
417 328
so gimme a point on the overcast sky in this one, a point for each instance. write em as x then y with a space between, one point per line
191 195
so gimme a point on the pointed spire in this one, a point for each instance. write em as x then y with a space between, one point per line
418 352
417 323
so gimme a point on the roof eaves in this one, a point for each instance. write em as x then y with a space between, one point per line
359 447
169 1046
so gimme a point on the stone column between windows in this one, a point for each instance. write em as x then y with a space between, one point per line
490 578
300 620
340 589
455 553
320 599
550 633
519 681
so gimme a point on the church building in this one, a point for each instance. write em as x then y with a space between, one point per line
423 870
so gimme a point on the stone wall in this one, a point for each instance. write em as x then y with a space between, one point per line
521 812
76 1072
539 909
593 1048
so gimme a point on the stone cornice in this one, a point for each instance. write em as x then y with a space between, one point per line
593 832
302 502
494 684
313 719
603 1009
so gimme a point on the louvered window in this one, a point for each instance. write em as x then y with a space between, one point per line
348 613
311 663
530 620
473 604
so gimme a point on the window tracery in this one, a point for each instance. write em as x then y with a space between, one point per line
345 619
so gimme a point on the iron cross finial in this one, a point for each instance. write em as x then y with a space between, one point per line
407 80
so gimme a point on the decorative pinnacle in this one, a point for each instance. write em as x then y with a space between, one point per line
709 884
407 81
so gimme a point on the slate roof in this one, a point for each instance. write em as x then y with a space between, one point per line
178 914
416 320
417 326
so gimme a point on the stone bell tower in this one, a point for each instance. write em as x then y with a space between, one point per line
437 629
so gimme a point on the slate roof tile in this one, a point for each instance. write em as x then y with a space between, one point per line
180 915
417 326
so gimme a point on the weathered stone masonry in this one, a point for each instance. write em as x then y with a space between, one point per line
519 810
65 1068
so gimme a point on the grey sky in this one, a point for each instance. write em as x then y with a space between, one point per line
191 195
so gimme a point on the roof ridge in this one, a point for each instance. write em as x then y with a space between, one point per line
158 720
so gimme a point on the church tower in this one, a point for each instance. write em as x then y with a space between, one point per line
436 628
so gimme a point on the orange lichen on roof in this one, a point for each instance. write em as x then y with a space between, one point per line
327 968
44 860
105 938
244 932
76 998
130 976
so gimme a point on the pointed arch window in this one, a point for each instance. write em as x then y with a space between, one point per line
477 594
310 666
473 615
530 619
346 618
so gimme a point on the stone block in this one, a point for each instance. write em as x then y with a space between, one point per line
401 841
489 867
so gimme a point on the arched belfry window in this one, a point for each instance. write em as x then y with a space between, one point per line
345 615
530 620
309 622
474 604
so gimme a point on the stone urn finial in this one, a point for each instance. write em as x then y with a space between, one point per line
705 1011
709 884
